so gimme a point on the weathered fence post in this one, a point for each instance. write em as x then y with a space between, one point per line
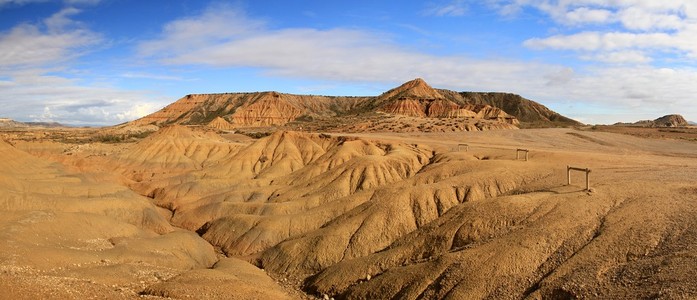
586 170
517 152
568 175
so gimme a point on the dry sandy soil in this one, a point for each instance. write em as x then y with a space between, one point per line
184 213
688 133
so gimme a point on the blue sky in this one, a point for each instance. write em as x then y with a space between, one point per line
103 62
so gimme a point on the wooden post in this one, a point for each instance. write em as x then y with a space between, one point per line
517 152
568 175
585 170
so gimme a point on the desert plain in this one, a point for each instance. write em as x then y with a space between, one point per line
190 212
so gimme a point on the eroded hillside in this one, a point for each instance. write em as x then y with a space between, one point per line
350 216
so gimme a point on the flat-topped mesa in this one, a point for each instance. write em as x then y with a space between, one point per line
178 110
240 109
415 98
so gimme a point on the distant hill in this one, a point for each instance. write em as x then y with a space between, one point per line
524 109
671 121
9 123
412 99
45 124
665 121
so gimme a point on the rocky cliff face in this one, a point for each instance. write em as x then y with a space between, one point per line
442 108
267 109
665 121
194 109
524 110
488 112
417 99
407 107
671 121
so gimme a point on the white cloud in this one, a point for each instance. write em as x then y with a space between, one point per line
30 52
584 15
151 76
660 30
78 2
68 2
19 2
620 57
453 8
636 18
36 97
568 11
610 41
61 20
47 116
331 54
218 24
632 91
28 44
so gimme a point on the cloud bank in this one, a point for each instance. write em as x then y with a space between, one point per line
34 61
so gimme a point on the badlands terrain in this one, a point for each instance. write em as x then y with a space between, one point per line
179 204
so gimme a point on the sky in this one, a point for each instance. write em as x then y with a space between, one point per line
104 62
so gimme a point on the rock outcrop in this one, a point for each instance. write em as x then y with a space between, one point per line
525 110
417 99
269 108
665 121
671 121
9 123
414 89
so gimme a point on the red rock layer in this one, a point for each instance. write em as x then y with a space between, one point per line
269 109
407 107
